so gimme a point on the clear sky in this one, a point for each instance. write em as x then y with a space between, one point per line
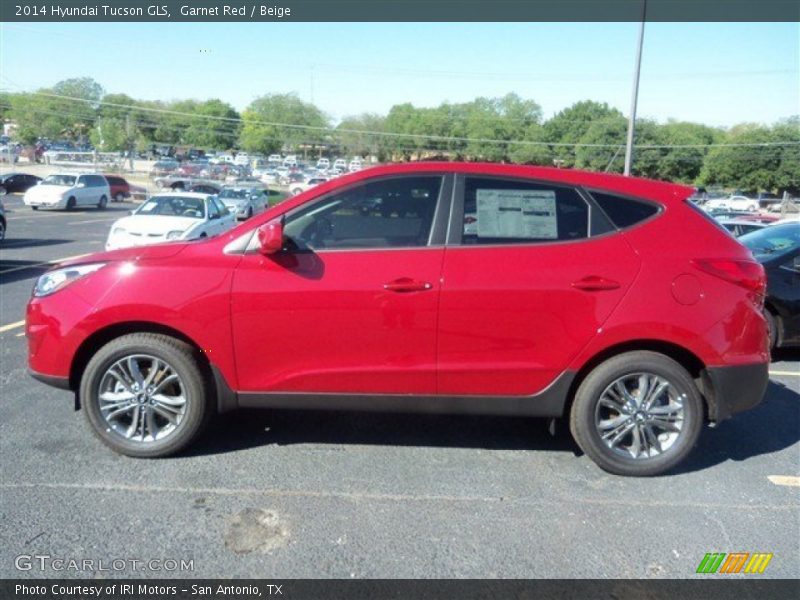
714 73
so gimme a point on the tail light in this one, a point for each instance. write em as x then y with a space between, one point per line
744 273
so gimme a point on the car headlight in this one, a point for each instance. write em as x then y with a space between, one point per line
117 230
174 235
51 282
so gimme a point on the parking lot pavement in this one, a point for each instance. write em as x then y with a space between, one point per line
355 495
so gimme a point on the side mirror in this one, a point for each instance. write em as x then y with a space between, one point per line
270 237
80 185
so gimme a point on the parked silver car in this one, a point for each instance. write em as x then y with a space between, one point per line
244 202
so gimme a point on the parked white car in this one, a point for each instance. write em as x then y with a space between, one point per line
242 159
300 187
323 164
732 203
340 164
275 158
290 161
355 165
68 191
171 217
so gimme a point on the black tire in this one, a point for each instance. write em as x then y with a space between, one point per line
585 431
182 359
772 326
101 205
120 197
71 204
2 230
35 207
249 213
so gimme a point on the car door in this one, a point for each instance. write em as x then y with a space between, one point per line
531 271
213 221
227 217
82 190
350 306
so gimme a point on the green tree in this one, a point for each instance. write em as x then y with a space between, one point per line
745 163
264 123
604 145
362 144
573 124
67 110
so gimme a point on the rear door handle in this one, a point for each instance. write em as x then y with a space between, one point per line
406 284
595 283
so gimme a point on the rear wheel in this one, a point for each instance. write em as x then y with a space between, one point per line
102 203
772 325
144 395
35 207
120 197
2 230
637 414
71 204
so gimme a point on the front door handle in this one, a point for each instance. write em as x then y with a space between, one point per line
406 284
595 283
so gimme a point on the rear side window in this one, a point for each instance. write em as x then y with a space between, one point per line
506 211
624 212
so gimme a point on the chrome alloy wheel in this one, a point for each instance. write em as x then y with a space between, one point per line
142 398
640 415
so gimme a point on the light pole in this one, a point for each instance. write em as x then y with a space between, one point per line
635 94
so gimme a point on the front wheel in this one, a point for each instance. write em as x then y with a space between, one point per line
144 395
102 203
120 197
637 414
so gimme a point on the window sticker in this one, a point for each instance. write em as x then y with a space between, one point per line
529 214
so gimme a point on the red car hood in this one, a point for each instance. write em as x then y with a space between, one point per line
128 254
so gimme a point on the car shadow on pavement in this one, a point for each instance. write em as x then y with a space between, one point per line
772 426
14 243
251 428
12 271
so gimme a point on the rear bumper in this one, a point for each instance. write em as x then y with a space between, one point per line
61 383
731 390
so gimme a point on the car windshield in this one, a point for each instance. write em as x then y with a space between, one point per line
773 241
59 180
173 206
234 195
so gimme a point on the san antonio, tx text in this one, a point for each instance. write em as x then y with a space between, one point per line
140 589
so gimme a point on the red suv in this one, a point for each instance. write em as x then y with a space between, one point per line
433 287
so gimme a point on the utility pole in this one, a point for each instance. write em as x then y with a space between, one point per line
635 94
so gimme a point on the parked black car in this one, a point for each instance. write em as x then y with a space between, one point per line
777 247
18 182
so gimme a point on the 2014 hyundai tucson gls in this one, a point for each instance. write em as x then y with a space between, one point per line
432 287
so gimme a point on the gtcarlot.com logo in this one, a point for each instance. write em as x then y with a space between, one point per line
45 562
735 562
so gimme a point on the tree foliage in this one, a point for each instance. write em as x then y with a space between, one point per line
589 135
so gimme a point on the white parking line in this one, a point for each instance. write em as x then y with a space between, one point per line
786 373
11 326
784 480
41 264
92 221
19 334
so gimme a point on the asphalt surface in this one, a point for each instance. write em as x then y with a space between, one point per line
284 495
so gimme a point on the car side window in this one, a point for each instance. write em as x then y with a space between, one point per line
624 212
506 211
221 208
388 213
213 211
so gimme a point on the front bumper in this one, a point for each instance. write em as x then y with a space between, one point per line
734 389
